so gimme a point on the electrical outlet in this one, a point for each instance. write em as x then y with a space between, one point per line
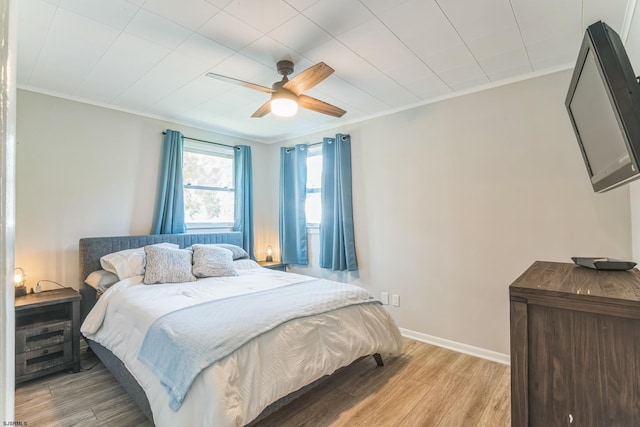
395 300
384 297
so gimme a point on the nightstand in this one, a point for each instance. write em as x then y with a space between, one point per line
47 333
273 265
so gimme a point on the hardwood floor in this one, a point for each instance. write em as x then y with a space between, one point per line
91 397
424 386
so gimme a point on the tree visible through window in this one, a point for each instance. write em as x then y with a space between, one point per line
208 185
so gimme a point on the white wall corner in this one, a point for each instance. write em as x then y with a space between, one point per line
7 205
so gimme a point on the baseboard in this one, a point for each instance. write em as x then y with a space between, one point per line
456 346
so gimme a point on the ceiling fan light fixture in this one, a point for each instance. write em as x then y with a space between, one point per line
288 95
283 104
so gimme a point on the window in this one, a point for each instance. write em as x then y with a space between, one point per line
208 185
313 204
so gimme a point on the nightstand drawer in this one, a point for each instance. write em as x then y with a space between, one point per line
42 335
44 358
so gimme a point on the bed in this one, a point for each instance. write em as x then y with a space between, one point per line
243 385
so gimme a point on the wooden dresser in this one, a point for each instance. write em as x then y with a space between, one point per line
575 347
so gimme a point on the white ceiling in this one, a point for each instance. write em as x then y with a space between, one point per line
151 56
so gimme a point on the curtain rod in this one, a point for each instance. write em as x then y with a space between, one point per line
320 143
231 146
208 142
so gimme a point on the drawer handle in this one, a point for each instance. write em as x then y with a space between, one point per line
45 351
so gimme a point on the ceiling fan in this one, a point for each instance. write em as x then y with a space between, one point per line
286 95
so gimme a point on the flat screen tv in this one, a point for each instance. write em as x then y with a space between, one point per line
604 107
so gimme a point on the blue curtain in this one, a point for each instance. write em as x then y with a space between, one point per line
243 203
337 243
169 214
293 193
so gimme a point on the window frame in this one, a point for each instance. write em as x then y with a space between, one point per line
207 149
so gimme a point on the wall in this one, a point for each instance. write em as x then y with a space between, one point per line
634 197
88 171
632 46
453 200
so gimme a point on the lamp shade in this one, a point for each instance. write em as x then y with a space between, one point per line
18 276
284 104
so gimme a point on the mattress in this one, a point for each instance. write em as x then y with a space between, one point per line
234 390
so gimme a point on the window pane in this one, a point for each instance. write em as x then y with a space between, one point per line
313 208
207 170
208 206
313 204
314 171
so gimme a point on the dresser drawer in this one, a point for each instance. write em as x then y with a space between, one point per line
44 358
42 335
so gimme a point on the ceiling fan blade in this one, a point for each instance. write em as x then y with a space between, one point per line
240 82
310 103
308 78
263 110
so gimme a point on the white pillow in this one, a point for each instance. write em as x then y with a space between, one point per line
101 280
129 262
212 261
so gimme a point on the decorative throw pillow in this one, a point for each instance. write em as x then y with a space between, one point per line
212 261
167 265
101 280
237 251
129 262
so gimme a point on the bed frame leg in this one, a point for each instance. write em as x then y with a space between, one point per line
378 359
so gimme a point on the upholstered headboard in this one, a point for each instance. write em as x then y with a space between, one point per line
92 248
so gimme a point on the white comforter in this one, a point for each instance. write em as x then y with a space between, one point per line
235 390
